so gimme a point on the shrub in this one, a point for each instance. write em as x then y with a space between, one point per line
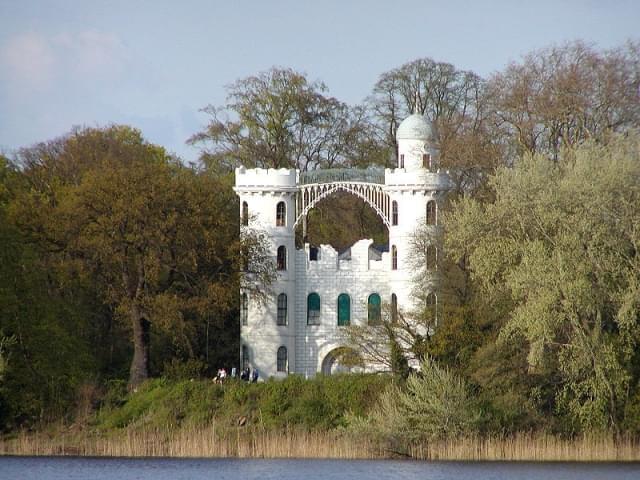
434 404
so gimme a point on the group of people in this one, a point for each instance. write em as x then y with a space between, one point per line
249 374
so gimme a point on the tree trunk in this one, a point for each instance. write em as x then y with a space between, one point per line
139 371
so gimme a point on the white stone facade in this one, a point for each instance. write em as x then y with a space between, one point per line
406 190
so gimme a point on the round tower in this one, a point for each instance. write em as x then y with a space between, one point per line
414 187
267 330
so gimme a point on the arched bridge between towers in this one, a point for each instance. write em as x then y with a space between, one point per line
366 184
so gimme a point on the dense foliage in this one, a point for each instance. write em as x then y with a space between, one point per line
112 248
118 263
556 256
542 330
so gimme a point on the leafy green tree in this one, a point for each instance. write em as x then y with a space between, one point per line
557 255
280 119
160 240
46 326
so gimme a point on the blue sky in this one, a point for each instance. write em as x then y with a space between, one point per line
154 64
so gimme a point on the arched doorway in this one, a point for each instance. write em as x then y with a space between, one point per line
341 360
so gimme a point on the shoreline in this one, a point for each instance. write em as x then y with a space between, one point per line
242 444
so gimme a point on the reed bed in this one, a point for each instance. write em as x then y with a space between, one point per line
242 443
201 442
531 447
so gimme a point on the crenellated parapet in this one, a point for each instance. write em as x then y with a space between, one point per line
278 179
360 257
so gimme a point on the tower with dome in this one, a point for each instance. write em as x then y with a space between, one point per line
319 291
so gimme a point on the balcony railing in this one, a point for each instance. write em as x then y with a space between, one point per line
367 175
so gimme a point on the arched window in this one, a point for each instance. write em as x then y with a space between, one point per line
244 360
244 309
313 309
394 308
282 359
402 160
426 161
394 213
394 258
344 310
373 309
432 257
432 305
281 263
431 213
245 213
244 258
281 214
282 309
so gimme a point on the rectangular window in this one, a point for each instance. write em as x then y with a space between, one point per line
282 309
245 357
431 212
244 309
313 309
282 359
374 309
281 214
344 309
432 257
313 317
245 213
281 258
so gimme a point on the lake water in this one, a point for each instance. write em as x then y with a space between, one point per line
82 468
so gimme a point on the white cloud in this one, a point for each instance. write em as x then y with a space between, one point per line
29 60
93 53
33 61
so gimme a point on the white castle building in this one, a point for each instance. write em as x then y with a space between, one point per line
317 292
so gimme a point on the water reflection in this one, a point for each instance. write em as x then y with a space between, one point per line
74 468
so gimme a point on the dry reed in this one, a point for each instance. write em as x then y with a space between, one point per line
188 442
244 443
531 447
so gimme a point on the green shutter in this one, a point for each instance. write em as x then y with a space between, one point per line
344 309
313 309
375 314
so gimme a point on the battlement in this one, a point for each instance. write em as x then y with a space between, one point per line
358 257
266 177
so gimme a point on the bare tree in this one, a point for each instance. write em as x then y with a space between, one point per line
454 101
560 96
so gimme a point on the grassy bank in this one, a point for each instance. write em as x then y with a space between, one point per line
208 442
293 418
293 403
